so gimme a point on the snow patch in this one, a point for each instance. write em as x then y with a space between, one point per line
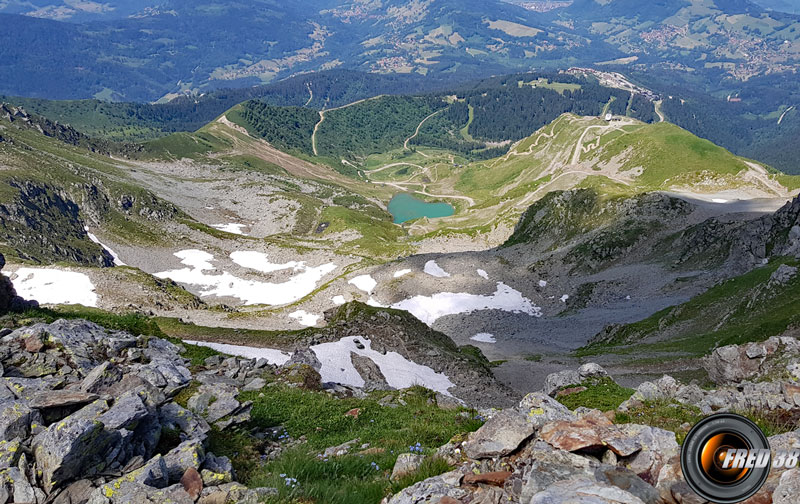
719 200
400 372
54 286
305 318
117 260
484 338
542 283
338 300
430 308
433 269
483 274
250 292
364 282
564 298
230 228
377 304
338 368
402 272
260 262
272 356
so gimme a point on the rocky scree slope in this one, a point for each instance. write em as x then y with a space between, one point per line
541 452
88 415
51 191
757 288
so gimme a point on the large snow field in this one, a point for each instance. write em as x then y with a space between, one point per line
55 286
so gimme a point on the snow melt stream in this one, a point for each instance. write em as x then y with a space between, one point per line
117 260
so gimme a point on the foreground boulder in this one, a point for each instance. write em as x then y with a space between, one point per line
84 410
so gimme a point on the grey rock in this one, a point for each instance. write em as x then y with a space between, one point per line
788 488
370 373
190 425
407 463
9 452
187 454
217 470
584 491
16 418
304 356
255 384
76 493
432 490
60 399
339 450
126 412
783 274
658 447
541 409
22 491
165 374
501 435
101 378
72 448
555 381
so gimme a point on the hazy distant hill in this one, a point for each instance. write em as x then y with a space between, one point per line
791 6
134 51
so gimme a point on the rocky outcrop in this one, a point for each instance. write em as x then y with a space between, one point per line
398 331
90 415
776 356
544 453
540 452
8 296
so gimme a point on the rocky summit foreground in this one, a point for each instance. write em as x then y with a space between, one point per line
88 415
91 415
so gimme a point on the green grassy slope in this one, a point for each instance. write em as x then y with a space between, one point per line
743 309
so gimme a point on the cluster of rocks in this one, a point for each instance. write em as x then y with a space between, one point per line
540 452
8 296
88 415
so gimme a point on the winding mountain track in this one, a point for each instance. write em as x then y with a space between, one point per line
780 119
322 119
405 144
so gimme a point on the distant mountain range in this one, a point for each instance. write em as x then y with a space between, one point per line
145 51
790 6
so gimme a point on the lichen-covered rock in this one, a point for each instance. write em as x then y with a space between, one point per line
177 418
9 452
217 470
541 409
72 448
16 418
187 454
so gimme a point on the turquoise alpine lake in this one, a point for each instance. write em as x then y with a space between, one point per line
405 207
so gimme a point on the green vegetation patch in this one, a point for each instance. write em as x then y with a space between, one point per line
603 394
302 475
